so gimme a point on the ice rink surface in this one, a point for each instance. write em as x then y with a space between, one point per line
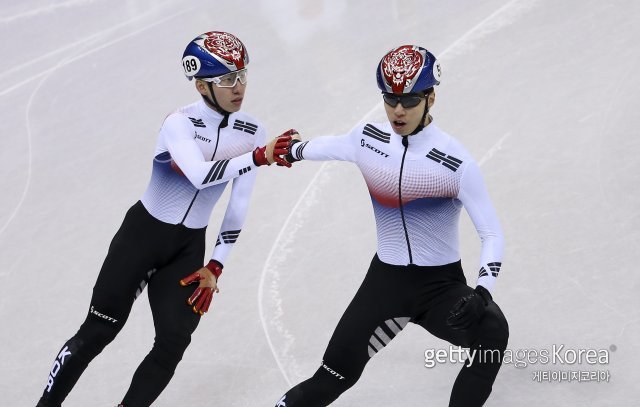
543 93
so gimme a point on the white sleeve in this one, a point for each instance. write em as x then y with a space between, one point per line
475 198
342 148
237 209
177 133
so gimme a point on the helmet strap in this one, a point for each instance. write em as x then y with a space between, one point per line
213 103
424 115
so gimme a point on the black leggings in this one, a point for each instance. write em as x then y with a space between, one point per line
143 251
390 297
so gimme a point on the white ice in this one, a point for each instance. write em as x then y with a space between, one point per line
545 94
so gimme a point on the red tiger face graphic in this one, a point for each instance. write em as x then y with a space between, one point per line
227 47
401 66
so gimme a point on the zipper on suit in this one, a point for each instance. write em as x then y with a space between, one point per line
405 143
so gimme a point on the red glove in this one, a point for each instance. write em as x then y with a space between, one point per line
275 150
208 279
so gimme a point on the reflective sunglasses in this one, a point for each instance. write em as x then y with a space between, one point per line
229 80
407 101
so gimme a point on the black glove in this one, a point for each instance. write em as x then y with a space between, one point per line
289 157
469 309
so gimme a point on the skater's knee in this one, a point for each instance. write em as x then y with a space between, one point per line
495 328
94 335
169 348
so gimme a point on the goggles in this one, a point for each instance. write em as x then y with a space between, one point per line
228 80
407 101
